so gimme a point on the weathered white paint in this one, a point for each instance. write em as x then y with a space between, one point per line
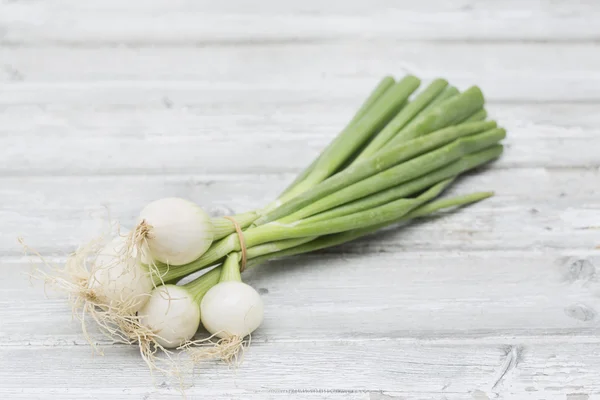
335 70
48 142
223 102
204 22
406 369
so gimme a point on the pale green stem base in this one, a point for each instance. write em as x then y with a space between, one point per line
230 271
199 286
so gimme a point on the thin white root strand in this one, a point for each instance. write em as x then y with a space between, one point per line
137 247
73 279
147 342
114 321
230 350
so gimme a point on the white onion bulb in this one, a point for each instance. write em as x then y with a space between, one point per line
172 314
231 309
178 230
118 280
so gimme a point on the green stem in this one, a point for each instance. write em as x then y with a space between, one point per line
480 115
218 251
222 248
448 93
400 173
379 90
387 158
277 232
230 271
279 245
224 226
402 118
356 134
447 113
393 210
339 238
384 85
202 284
199 286
430 208
409 188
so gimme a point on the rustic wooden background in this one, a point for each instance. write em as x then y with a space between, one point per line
116 103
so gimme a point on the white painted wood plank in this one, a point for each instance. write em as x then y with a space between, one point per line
169 393
370 297
152 394
533 208
564 72
70 141
451 305
185 93
504 71
218 151
276 119
186 22
547 369
199 120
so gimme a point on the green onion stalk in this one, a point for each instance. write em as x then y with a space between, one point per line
391 161
385 116
389 165
289 247
399 153
230 309
384 101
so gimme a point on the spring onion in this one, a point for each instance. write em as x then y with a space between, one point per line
231 309
171 314
399 152
118 281
175 231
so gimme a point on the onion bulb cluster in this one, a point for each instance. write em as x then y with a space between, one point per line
388 165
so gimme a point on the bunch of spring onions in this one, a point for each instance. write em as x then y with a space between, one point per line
390 164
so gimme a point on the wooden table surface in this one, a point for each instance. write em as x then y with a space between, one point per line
116 103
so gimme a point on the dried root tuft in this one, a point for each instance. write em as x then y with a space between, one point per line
137 247
230 350
76 279
115 317
148 343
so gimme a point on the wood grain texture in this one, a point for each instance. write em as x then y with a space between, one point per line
170 78
79 142
370 370
554 71
114 104
166 22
